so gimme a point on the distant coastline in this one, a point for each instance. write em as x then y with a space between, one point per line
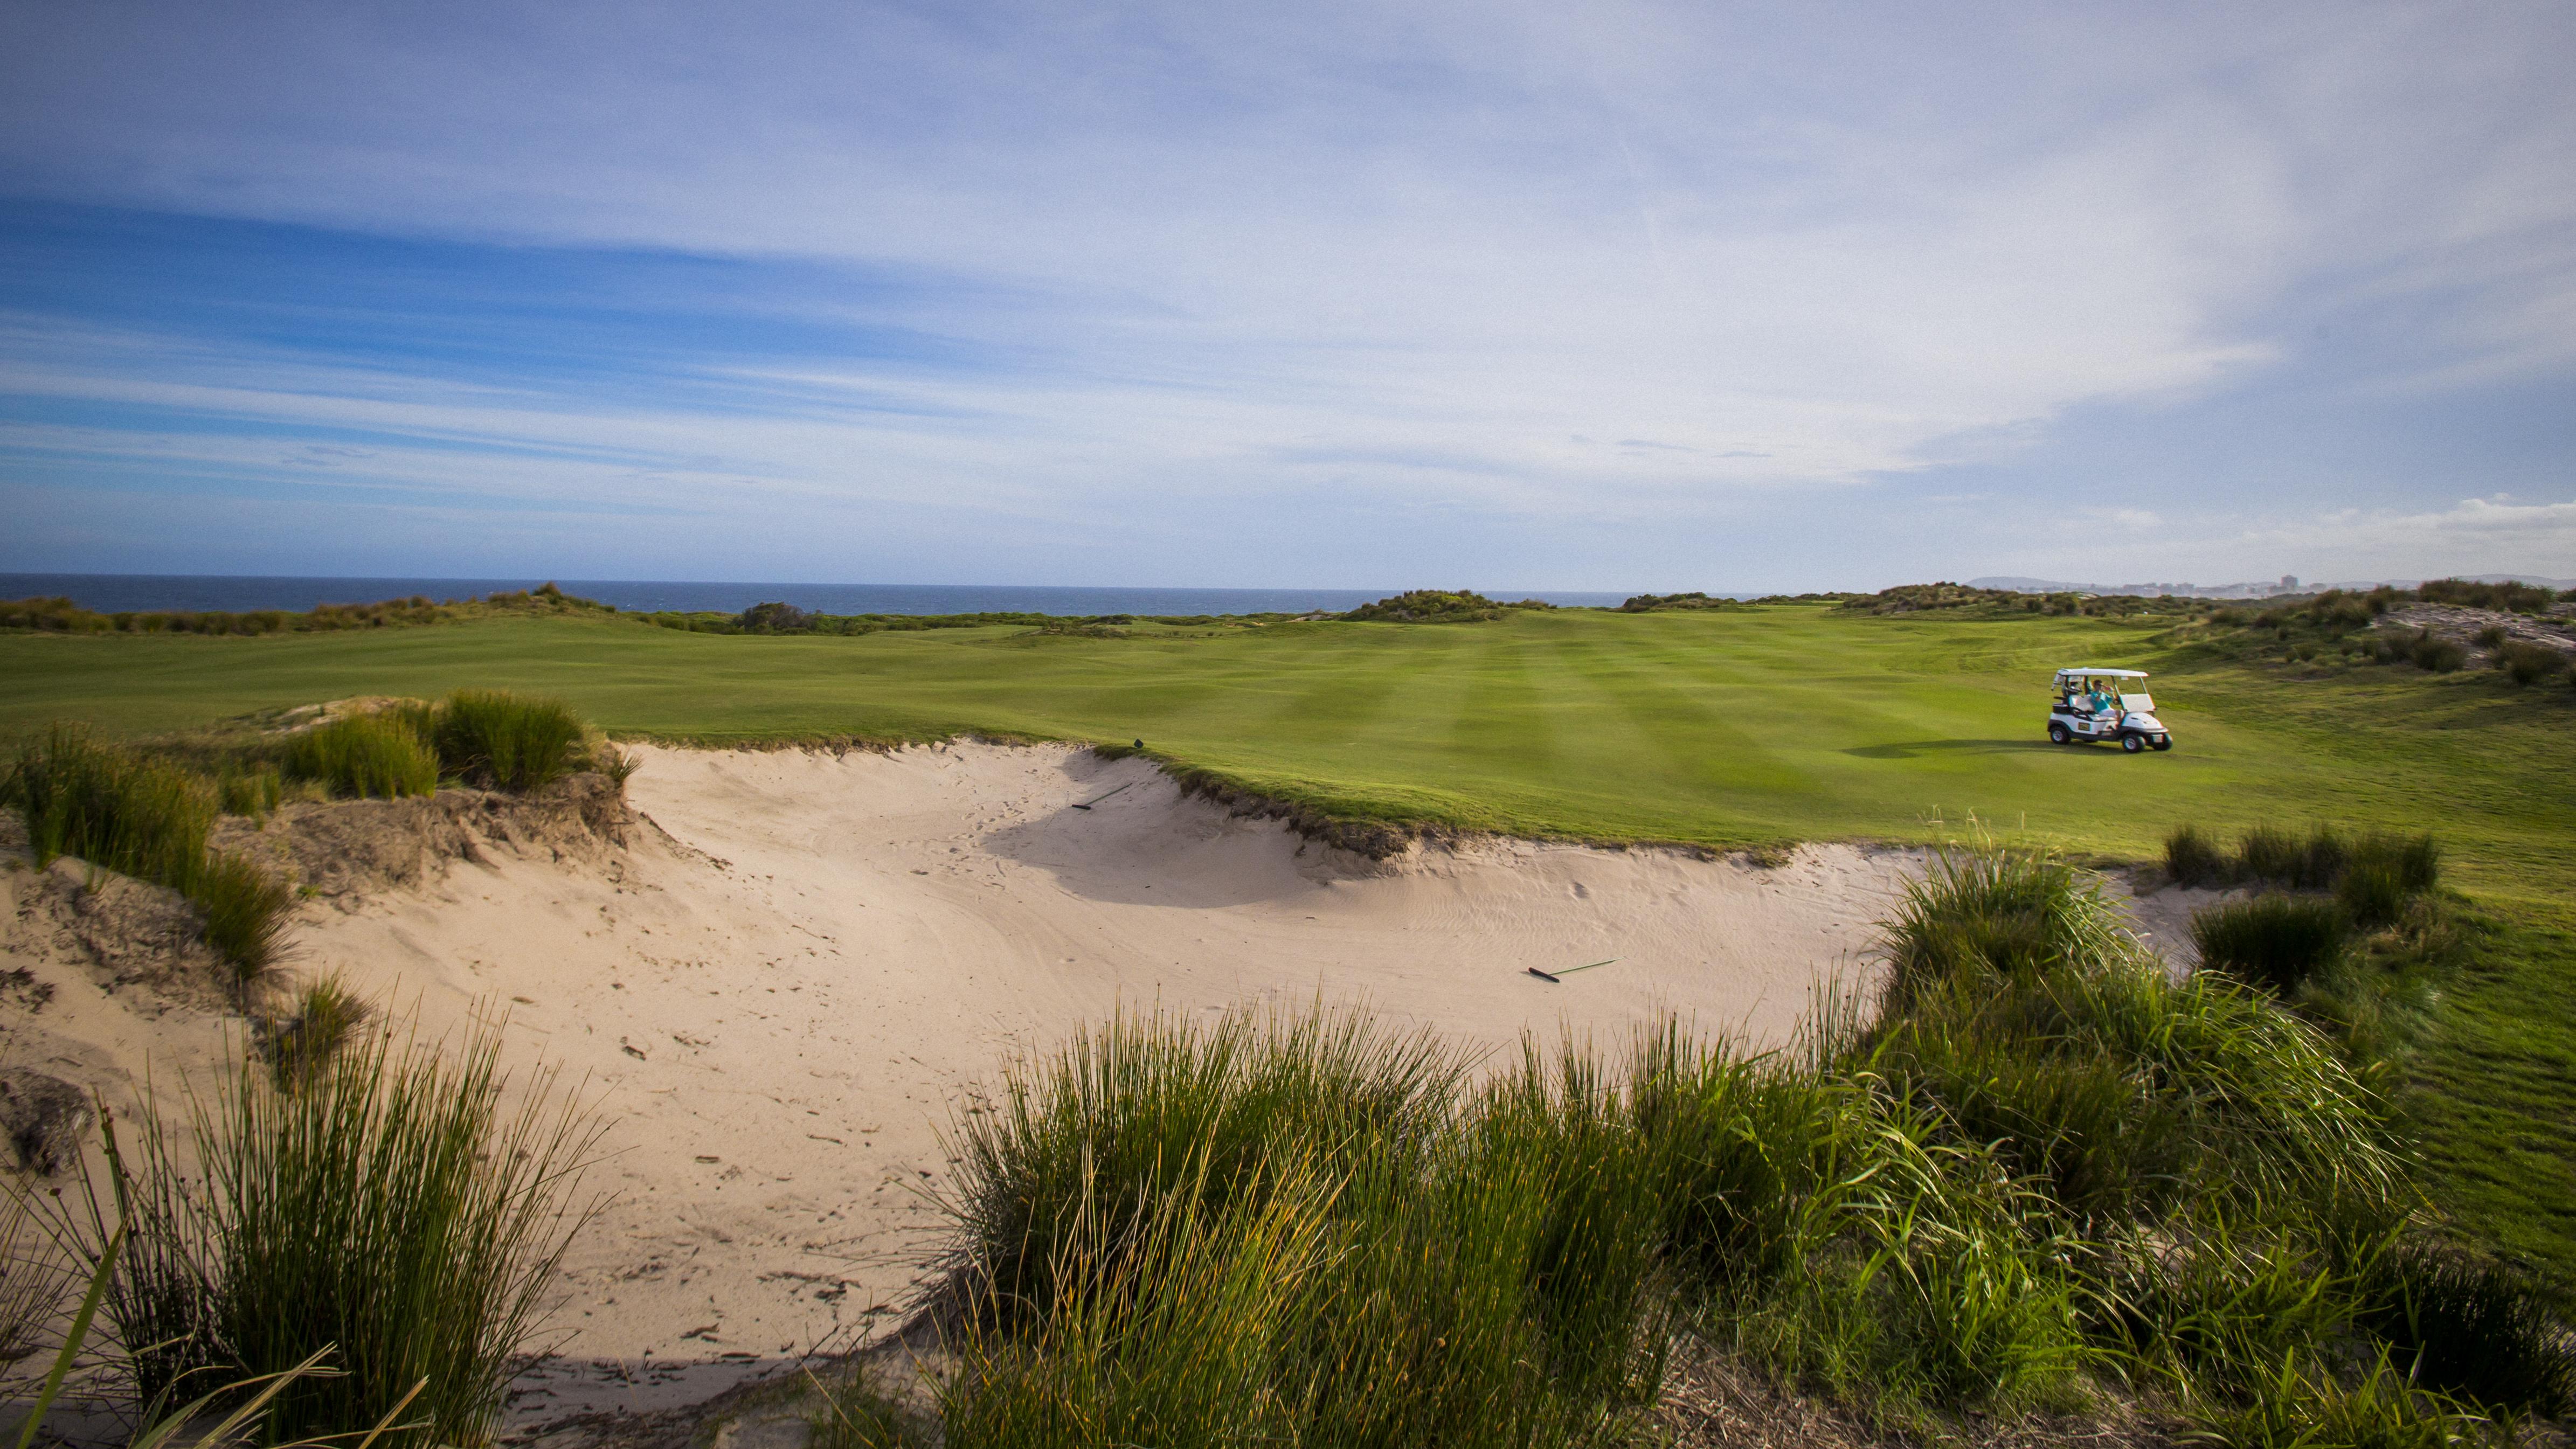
112 593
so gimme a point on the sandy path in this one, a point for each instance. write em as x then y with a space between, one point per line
781 1001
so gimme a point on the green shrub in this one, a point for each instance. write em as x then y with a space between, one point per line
2529 664
380 756
506 741
2277 942
2490 637
1431 606
2193 859
390 1206
2441 656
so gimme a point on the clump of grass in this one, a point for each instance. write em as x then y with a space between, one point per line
253 790
853 1413
2528 664
2439 655
140 817
392 1205
2470 1329
2194 859
506 741
303 1043
34 1279
111 807
245 910
382 756
2274 941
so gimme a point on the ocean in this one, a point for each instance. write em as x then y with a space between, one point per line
114 593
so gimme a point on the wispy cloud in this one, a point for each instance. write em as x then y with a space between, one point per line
1013 265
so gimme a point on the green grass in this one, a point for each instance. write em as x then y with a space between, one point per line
2046 1176
1727 728
401 1206
2276 942
129 812
367 755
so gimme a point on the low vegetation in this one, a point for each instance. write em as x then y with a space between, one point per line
396 1212
1433 606
380 756
2045 1176
127 812
62 616
1661 603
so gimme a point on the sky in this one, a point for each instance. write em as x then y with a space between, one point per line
1609 296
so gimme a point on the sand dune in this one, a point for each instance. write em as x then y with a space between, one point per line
802 964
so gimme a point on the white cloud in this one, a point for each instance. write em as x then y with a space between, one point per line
1409 250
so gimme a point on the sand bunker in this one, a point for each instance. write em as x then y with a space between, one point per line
800 965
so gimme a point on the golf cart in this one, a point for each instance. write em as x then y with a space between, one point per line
2105 704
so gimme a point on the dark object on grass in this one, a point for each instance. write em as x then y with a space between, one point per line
1096 799
2277 942
45 1119
1568 971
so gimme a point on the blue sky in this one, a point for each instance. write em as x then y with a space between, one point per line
1613 296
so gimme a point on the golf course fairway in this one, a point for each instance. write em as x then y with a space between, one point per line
1778 724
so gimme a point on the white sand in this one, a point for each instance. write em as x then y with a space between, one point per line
781 1002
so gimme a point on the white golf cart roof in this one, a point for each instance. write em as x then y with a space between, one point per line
2092 673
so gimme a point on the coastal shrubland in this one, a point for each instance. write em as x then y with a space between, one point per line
1432 606
62 616
1653 603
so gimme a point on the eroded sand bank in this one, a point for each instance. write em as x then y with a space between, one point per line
800 966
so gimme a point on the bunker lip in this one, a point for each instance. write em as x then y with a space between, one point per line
789 971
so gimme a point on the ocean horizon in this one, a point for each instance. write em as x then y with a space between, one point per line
237 593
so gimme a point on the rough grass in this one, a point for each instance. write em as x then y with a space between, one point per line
2277 942
506 741
381 756
404 1206
2043 1173
120 809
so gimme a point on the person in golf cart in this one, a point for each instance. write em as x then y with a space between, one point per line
2105 704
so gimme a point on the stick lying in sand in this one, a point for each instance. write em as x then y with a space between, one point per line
1568 971
1096 799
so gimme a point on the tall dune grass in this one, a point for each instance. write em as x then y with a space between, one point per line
383 756
2041 1163
406 1205
506 741
2277 942
123 810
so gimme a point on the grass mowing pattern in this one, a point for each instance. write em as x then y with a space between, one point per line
128 813
392 1206
382 756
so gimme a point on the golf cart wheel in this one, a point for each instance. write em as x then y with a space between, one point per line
2056 733
2165 744
2133 743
